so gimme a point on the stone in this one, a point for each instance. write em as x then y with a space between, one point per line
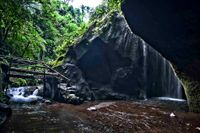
48 101
77 89
197 128
92 109
100 105
114 63
172 115
5 112
73 99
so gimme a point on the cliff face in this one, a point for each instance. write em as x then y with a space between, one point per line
118 64
172 27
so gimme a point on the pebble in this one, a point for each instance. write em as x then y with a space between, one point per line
172 115
92 109
197 128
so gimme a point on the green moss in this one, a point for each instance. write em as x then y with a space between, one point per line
192 91
58 62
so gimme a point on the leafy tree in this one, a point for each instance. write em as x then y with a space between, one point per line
17 32
105 8
38 29
43 29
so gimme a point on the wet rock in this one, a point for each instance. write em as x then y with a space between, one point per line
92 109
100 105
77 89
106 93
5 112
48 101
5 108
73 99
71 94
40 90
197 128
51 90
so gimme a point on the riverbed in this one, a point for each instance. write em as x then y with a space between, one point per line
106 117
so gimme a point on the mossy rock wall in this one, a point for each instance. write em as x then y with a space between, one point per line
192 91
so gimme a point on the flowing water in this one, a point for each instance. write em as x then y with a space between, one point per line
160 79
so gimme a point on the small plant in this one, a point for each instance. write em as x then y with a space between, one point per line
19 82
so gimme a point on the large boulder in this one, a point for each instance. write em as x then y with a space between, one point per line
77 89
5 112
117 64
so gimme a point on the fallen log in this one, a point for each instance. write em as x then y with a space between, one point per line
27 76
56 72
32 72
34 62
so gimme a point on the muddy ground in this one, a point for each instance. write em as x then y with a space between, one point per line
106 117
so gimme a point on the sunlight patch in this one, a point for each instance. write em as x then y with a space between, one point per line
90 3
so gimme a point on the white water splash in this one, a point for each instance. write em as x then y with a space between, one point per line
17 95
171 99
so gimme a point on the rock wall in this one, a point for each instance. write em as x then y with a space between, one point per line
172 27
117 64
3 71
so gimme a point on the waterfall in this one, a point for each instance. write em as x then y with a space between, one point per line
160 79
145 68
23 94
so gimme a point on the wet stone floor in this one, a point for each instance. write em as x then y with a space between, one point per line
151 116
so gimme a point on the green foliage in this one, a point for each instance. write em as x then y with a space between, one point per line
3 98
43 29
105 8
114 5
19 82
39 29
16 27
58 62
